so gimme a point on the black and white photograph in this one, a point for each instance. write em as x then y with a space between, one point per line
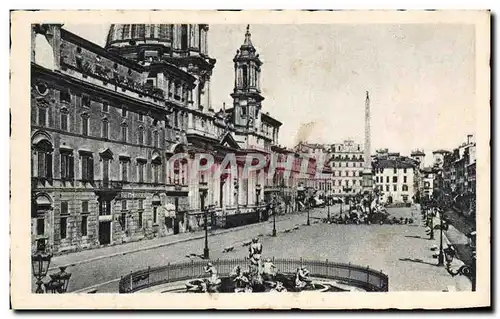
222 157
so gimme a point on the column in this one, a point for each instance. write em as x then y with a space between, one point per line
206 96
196 40
166 86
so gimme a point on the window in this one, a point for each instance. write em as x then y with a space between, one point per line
155 214
404 170
124 133
140 219
104 207
124 204
124 164
105 128
405 188
40 224
155 139
395 170
149 137
245 76
85 125
67 165
394 179
244 111
105 169
105 107
165 31
123 220
64 219
141 117
85 207
404 179
63 227
84 225
87 161
140 136
65 96
395 187
184 37
156 172
140 171
64 120
387 179
42 116
124 112
44 158
140 204
85 101
387 188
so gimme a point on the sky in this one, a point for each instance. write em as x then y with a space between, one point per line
421 80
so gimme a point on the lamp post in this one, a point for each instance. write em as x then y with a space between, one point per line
328 205
308 210
40 262
206 251
271 207
440 256
465 270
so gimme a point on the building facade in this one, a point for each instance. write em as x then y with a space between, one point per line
458 176
394 177
107 122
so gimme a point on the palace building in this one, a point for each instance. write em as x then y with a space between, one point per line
106 121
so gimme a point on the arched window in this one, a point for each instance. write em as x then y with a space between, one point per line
105 128
43 156
42 205
244 71
140 135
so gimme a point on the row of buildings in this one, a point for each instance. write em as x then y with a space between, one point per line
106 122
394 176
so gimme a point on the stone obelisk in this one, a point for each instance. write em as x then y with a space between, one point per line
367 167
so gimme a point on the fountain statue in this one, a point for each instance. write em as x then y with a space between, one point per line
260 277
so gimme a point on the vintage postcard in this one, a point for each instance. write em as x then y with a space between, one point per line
252 159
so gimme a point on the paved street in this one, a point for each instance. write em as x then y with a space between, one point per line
401 251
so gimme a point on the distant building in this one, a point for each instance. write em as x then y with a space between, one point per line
395 177
345 162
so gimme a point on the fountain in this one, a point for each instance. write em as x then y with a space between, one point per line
260 277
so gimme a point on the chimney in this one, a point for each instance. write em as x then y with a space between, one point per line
469 139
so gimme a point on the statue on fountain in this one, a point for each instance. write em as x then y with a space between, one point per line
241 282
213 283
255 252
302 279
279 287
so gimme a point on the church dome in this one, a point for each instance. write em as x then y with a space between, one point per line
142 42
131 34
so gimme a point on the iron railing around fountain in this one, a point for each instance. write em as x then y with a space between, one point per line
348 274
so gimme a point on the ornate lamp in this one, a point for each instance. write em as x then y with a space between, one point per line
61 280
40 262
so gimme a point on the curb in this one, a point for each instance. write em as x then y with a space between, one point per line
163 244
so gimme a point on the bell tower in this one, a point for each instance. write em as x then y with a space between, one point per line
246 94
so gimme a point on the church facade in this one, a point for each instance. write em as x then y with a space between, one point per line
106 122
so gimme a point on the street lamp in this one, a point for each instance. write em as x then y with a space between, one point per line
40 262
59 282
465 270
440 256
271 207
308 210
206 251
328 205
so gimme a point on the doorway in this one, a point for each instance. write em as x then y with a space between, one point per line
104 233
